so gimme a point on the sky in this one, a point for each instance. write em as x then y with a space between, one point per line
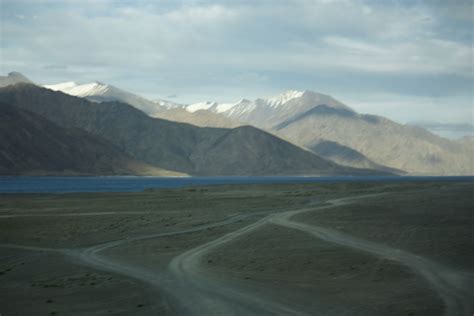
408 60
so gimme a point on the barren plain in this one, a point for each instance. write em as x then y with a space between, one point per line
401 248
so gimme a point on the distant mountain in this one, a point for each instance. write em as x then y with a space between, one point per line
335 131
262 113
383 141
13 78
201 118
197 114
166 104
30 144
317 122
174 146
448 130
268 113
347 156
101 92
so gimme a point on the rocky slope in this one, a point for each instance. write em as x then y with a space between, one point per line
317 122
174 146
30 144
334 131
383 141
101 92
229 115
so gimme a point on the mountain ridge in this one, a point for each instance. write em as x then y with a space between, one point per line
31 144
174 146
101 92
301 117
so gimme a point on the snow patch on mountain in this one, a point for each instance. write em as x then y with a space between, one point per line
61 86
284 97
168 104
84 90
221 108
89 89
243 106
208 105
265 113
100 92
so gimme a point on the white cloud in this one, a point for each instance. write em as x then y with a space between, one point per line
197 47
428 56
370 39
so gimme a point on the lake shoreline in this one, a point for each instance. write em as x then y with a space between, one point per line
29 184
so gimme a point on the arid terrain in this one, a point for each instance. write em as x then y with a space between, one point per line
300 249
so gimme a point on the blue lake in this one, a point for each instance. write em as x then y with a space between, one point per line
24 184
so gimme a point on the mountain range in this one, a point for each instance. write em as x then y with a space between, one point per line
296 132
101 92
31 144
323 125
166 145
213 114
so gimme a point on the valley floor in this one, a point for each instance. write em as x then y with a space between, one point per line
300 249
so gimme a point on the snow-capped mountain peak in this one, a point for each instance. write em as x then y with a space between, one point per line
207 105
83 90
225 107
284 97
100 92
280 104
61 86
93 88
261 112
221 108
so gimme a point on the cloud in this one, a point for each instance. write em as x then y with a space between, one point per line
54 67
310 34
453 131
420 108
427 56
239 47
